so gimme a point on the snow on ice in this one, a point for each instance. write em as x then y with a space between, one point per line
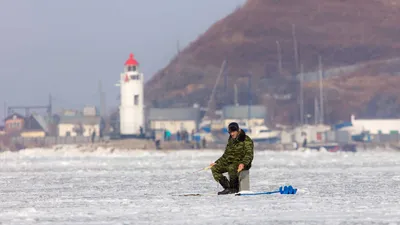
70 186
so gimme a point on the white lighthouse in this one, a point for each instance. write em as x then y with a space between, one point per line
132 106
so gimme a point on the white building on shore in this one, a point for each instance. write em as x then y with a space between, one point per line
376 126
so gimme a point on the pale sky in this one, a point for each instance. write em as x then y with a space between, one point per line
66 47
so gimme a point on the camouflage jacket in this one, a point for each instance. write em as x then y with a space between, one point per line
238 150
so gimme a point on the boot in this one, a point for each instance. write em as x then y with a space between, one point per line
225 184
234 185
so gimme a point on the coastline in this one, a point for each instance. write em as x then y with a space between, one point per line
143 144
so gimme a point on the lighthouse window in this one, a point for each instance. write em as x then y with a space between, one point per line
135 77
136 100
131 68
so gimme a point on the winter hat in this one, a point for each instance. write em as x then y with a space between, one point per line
233 127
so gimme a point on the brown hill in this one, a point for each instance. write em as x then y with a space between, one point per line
342 32
371 91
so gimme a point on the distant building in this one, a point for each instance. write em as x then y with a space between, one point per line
312 133
14 123
79 125
240 114
90 111
174 119
35 126
32 126
2 130
376 126
70 112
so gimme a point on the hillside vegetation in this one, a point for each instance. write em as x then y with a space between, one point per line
253 38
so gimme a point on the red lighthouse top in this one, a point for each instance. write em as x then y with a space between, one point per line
131 61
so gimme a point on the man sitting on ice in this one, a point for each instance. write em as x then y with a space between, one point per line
238 156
